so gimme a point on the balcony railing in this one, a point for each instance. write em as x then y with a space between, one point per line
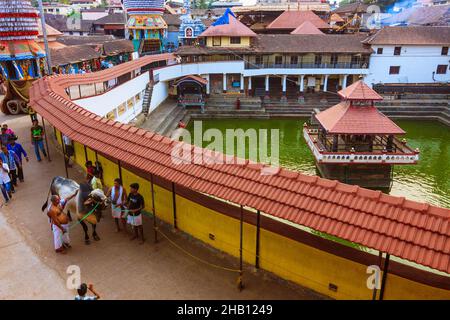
303 65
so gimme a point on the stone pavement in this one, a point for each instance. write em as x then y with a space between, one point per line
119 268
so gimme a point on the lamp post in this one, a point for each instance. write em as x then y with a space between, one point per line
44 33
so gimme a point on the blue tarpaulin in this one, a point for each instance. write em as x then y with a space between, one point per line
224 19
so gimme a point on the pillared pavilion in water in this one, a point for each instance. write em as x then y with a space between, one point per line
355 143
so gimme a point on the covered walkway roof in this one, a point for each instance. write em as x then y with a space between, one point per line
407 229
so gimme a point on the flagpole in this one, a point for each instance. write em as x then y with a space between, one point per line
44 33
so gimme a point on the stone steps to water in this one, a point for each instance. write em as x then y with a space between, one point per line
210 110
171 122
156 119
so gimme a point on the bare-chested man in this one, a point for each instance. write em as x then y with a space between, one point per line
60 223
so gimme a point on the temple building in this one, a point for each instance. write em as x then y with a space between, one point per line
355 143
290 20
190 28
21 58
234 59
145 25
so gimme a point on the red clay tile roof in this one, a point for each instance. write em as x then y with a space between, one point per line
346 119
192 78
292 19
407 229
419 35
234 28
307 28
359 91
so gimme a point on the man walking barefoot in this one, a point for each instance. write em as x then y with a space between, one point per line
135 203
118 197
60 223
37 139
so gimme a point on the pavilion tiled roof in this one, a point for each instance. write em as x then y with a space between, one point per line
359 91
292 19
234 28
344 118
307 28
407 229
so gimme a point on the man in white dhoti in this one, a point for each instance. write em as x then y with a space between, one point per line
118 197
60 224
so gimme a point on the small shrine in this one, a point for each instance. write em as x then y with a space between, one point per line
146 25
190 28
21 58
355 143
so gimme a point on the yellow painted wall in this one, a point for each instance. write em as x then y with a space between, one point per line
163 204
91 155
200 221
225 42
326 58
79 154
280 255
313 268
344 58
401 288
110 170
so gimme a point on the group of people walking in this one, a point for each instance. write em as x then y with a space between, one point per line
12 156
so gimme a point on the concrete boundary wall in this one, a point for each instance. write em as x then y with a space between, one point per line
293 254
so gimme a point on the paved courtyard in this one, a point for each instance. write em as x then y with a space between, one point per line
119 268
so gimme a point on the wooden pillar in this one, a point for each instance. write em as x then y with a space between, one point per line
46 139
119 164
174 201
86 159
241 234
384 278
153 209
258 227
380 258
224 83
64 154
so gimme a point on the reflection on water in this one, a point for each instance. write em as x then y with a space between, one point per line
428 181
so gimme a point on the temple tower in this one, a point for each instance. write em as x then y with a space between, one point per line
146 25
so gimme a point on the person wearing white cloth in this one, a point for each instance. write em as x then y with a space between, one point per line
60 223
5 181
118 197
135 204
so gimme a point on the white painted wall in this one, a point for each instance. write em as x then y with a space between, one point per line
111 100
417 64
93 15
160 93
181 70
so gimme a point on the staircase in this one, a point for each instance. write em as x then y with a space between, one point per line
228 102
413 106
165 118
147 98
